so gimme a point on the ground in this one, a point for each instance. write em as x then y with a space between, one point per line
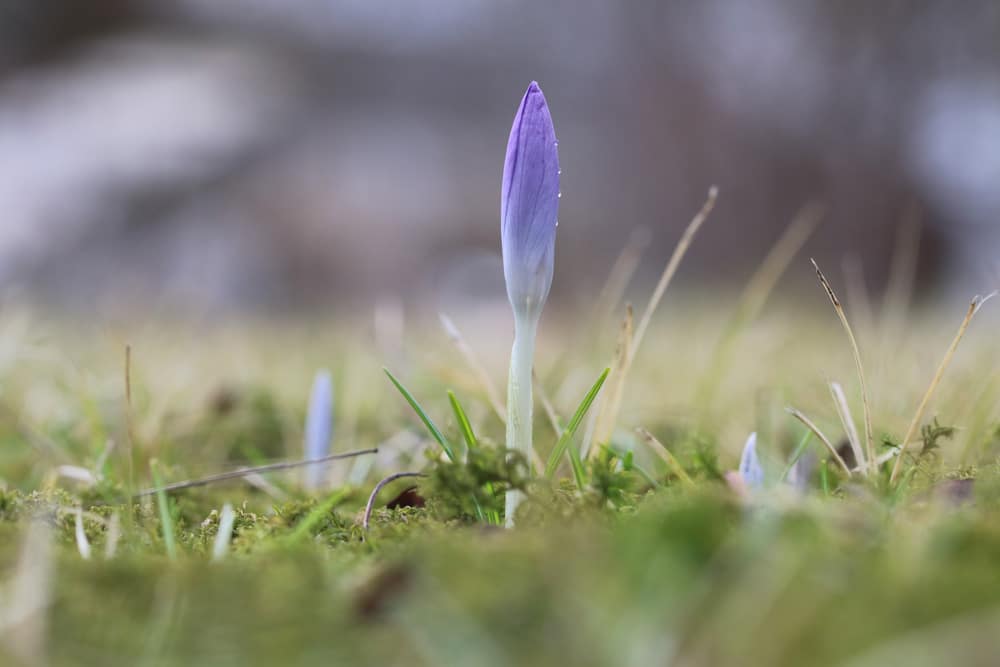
628 560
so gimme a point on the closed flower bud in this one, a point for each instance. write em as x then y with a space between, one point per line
529 205
319 427
750 468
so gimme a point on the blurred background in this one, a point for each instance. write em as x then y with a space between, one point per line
224 156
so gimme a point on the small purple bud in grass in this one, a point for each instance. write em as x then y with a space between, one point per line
529 205
750 468
319 428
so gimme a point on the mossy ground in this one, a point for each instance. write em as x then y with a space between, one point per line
639 568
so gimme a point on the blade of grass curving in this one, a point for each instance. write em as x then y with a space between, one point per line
163 504
645 474
579 473
974 307
463 421
574 423
428 422
471 442
865 402
819 434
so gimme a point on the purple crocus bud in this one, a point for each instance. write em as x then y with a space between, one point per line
529 204
750 468
319 427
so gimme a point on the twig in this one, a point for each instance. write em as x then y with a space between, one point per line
866 404
370 505
819 434
974 307
243 472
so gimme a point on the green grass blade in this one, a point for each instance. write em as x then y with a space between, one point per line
471 443
797 454
579 474
163 504
463 420
567 435
428 422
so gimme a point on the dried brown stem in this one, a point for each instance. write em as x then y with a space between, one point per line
370 505
244 472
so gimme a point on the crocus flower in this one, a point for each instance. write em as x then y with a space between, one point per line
319 427
750 478
751 471
529 204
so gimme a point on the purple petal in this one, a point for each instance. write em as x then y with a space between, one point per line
319 427
529 204
750 468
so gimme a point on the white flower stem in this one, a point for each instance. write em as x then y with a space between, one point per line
519 401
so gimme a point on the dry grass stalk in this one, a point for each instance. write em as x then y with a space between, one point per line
619 277
492 396
611 402
844 412
246 472
819 434
664 453
911 431
865 401
673 264
757 291
625 354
